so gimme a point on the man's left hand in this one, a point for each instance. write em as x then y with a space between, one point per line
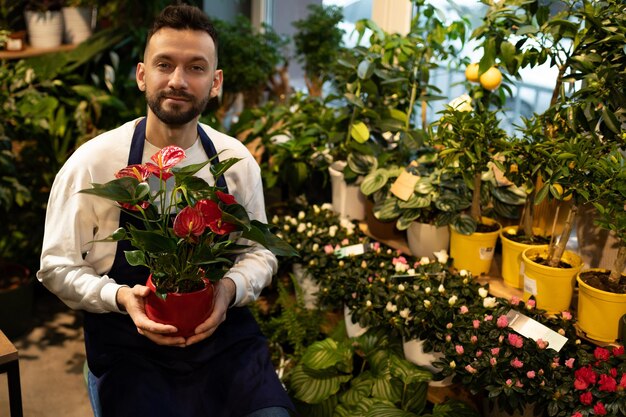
224 295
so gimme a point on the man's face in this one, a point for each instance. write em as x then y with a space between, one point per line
178 75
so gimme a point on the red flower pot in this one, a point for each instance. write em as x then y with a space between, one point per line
185 311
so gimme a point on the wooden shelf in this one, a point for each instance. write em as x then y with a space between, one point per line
30 52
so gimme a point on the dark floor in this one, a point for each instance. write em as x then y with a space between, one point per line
51 358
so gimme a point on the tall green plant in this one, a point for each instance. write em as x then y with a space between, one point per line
318 42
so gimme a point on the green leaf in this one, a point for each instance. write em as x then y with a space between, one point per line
150 241
465 224
365 69
135 258
374 181
454 408
360 132
260 233
312 387
328 353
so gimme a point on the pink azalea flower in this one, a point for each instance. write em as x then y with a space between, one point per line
530 374
541 344
474 339
488 317
516 363
570 363
495 351
509 382
493 361
476 324
470 369
519 384
400 259
459 349
479 353
329 250
531 304
515 340
502 322
566 315
515 300
463 310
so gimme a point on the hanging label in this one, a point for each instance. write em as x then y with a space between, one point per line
534 330
404 186
352 250
486 254
530 285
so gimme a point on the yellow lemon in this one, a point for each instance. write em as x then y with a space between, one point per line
491 79
559 191
471 72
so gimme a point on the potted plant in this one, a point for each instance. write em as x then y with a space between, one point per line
602 292
78 20
364 376
510 371
12 26
317 42
471 137
186 241
44 23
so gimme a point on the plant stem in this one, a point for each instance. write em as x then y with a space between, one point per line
618 265
475 210
559 248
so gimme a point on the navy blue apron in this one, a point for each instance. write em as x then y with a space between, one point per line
229 374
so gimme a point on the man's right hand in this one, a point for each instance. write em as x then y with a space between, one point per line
132 300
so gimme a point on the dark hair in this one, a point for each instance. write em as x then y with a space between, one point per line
183 17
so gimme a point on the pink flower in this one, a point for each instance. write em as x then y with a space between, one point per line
519 384
509 382
165 160
541 344
586 398
601 354
139 172
448 338
476 324
493 361
400 260
566 315
570 362
479 353
473 339
329 250
622 381
463 310
530 374
470 369
577 414
613 372
515 340
495 351
488 317
599 409
530 304
502 322
459 349
516 363
515 300
607 383
376 246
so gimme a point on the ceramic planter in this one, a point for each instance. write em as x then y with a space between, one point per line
552 287
185 310
474 252
512 271
599 312
347 199
77 25
414 353
352 329
424 239
45 29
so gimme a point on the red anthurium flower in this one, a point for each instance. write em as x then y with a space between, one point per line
141 172
226 198
135 207
189 222
165 160
213 217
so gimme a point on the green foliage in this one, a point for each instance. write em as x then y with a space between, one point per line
318 41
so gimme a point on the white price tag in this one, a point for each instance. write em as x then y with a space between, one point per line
352 250
486 254
530 285
534 330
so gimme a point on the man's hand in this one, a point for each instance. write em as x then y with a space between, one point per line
224 294
133 301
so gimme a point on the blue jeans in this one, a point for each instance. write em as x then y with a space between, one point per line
95 402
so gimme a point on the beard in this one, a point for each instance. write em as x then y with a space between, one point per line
175 116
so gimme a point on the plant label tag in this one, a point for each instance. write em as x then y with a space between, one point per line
404 186
534 330
530 285
486 254
352 250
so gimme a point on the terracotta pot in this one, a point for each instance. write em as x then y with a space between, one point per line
185 311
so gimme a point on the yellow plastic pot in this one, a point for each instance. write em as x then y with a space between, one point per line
599 312
552 287
474 252
512 258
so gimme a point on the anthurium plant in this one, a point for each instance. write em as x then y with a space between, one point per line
188 227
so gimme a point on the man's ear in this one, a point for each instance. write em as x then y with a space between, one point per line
218 79
140 76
